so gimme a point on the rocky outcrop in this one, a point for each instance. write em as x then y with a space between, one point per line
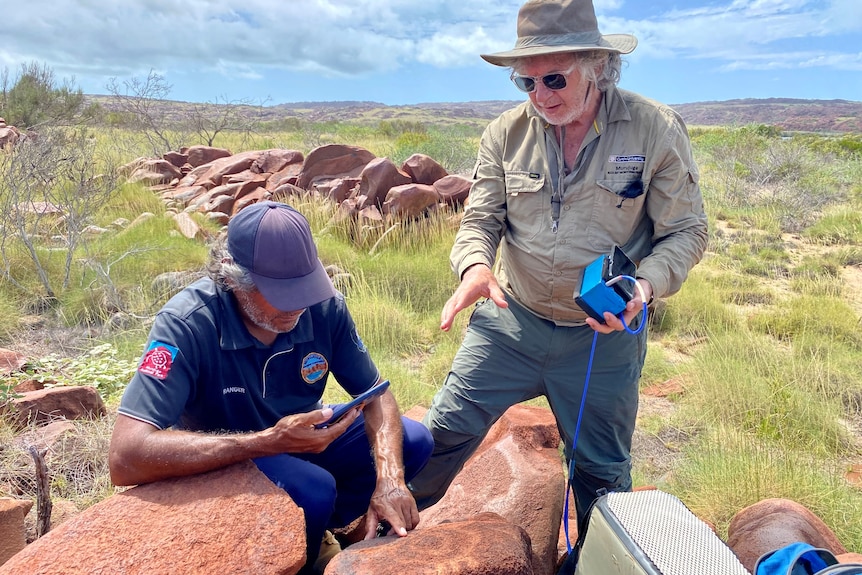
43 406
485 544
154 172
12 532
517 474
199 155
453 189
332 161
366 188
233 520
409 199
773 523
376 179
9 135
423 169
11 361
212 174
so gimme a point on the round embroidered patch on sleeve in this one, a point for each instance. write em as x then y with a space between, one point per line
314 367
360 345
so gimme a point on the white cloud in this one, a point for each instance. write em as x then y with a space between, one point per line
607 5
795 60
454 49
336 37
844 16
346 39
746 33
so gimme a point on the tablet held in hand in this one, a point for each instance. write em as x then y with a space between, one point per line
365 397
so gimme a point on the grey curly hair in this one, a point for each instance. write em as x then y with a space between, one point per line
224 271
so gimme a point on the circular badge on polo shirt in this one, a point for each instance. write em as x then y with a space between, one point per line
354 335
314 367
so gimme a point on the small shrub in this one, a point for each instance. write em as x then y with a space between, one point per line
100 367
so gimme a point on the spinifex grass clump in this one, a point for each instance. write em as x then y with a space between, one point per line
727 470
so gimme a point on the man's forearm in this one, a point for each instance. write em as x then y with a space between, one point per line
385 433
164 454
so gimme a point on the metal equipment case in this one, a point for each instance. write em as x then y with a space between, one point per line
651 533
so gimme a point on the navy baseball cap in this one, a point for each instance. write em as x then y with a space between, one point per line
273 242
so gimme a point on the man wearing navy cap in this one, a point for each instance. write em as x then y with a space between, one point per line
249 350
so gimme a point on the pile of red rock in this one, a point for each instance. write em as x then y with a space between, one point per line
9 135
218 183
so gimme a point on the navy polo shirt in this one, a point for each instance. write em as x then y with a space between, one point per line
203 371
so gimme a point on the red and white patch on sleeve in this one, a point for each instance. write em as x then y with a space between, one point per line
158 360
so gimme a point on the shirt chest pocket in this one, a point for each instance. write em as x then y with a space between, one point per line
618 207
627 192
526 206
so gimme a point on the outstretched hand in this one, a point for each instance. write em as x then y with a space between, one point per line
477 282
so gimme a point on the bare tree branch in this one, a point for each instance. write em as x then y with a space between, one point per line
139 100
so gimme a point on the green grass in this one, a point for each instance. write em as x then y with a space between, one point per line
843 225
771 396
827 317
696 311
726 471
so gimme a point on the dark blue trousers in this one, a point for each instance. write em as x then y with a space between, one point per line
334 487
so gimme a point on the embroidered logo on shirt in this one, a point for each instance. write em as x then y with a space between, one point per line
314 367
626 166
621 159
158 360
354 335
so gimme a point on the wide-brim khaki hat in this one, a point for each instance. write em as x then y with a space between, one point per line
558 27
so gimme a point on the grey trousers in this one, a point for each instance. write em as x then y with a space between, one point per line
511 355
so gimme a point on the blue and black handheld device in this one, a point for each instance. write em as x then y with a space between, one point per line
595 296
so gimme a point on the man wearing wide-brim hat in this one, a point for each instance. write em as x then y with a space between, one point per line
579 168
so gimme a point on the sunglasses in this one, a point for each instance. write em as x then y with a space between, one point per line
555 81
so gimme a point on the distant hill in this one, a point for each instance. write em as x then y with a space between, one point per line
827 116
833 116
789 114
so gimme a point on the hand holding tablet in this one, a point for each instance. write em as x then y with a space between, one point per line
340 410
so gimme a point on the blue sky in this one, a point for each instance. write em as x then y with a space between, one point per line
414 51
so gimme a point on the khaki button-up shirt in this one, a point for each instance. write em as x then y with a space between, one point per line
635 184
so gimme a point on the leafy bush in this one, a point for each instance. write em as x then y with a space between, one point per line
35 98
100 367
397 128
